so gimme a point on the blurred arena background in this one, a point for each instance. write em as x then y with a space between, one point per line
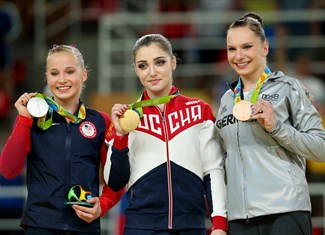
105 31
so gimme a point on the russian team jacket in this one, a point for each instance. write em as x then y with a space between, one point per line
171 164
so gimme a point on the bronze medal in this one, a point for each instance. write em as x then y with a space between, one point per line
242 110
129 121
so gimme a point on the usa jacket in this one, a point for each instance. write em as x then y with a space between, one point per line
266 171
57 159
169 163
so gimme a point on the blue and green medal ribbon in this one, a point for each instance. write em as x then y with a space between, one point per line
237 96
46 121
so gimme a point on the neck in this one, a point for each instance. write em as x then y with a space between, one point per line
71 107
162 93
248 84
250 80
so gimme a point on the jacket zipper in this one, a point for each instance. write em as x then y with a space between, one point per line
244 172
169 178
67 163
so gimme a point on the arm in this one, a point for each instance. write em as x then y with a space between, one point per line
14 153
306 135
302 133
109 198
117 166
212 156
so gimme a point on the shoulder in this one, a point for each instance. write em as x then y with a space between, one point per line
93 112
227 96
98 115
279 76
193 103
191 100
291 84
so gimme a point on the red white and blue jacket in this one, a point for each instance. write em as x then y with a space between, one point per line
171 166
58 158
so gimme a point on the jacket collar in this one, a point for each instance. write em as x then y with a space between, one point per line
274 76
146 97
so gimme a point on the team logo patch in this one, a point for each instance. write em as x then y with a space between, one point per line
88 130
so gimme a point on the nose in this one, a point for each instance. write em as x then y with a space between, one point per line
62 78
152 71
239 54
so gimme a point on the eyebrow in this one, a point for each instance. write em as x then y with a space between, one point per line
69 67
159 57
243 44
155 59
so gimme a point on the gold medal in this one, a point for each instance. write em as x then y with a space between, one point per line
37 107
129 121
242 110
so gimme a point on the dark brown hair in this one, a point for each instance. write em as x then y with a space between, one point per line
149 39
253 21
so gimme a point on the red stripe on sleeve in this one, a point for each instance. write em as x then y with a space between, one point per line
121 142
109 198
14 153
219 222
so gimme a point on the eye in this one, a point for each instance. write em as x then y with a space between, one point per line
160 62
231 49
247 46
70 71
54 73
142 66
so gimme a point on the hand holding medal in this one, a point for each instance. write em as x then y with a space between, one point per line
243 109
130 119
264 112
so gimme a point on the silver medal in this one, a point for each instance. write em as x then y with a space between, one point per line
37 107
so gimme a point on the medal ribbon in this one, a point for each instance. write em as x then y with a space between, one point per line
46 121
237 96
137 106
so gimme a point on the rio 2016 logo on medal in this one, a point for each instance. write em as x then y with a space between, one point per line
78 196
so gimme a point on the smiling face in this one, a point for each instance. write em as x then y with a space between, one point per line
154 67
246 52
65 77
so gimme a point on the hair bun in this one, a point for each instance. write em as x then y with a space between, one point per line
255 16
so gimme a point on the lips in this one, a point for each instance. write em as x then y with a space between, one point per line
63 88
154 82
242 65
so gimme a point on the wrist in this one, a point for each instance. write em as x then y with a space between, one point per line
120 141
274 129
219 222
28 121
